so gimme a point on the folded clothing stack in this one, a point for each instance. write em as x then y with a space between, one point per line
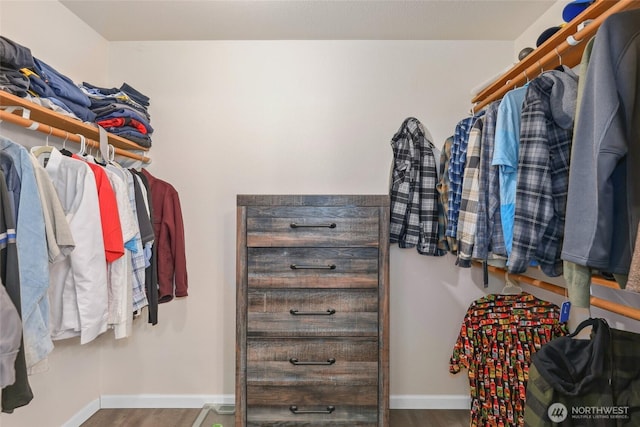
122 111
28 77
14 57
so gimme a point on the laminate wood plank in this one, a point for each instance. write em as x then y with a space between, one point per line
143 417
186 417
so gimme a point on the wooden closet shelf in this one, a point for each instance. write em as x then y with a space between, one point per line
547 56
66 124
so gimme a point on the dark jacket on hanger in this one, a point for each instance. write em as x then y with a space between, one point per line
596 381
168 228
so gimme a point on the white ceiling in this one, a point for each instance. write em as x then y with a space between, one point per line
129 20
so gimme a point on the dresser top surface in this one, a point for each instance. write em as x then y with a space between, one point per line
323 200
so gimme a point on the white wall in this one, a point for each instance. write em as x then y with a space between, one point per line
294 117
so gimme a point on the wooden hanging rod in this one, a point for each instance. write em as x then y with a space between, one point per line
63 134
548 55
613 307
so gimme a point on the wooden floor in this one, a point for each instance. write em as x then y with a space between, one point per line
186 417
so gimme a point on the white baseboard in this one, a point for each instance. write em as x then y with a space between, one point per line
429 401
402 401
163 400
84 414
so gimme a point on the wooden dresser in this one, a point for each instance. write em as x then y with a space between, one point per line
312 344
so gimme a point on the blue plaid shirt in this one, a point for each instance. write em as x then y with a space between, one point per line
456 172
489 237
543 175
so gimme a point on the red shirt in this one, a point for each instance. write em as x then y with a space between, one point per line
109 216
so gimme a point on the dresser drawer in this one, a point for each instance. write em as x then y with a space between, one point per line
312 312
291 226
312 267
341 415
304 361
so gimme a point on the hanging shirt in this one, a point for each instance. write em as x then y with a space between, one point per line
32 252
468 216
16 390
78 289
489 242
444 243
505 157
498 336
456 172
117 273
123 322
414 200
59 237
137 255
543 171
109 218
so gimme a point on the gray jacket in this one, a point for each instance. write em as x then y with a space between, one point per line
604 183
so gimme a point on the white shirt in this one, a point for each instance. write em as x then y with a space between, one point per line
118 273
78 282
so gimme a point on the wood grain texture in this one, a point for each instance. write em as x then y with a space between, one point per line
313 200
311 227
340 348
316 281
241 316
185 417
383 314
315 395
352 416
312 267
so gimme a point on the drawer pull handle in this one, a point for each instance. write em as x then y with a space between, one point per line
295 225
329 312
312 267
295 410
296 362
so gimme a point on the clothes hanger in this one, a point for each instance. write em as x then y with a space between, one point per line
83 145
64 150
511 287
37 151
591 322
559 67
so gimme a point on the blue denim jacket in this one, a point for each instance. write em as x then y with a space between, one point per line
32 258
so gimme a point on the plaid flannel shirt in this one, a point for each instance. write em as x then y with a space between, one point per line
543 176
489 238
444 243
414 200
468 216
456 171
137 256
